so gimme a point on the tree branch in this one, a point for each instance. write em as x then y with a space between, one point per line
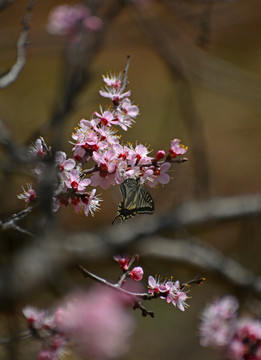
13 74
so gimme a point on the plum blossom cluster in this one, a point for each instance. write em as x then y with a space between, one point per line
169 291
237 338
71 20
96 324
98 156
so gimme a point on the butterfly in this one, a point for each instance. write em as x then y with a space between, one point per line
135 200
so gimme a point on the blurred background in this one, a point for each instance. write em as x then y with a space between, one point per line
195 73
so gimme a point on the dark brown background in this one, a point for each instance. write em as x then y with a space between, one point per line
225 85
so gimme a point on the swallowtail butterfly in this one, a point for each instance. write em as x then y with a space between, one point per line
135 200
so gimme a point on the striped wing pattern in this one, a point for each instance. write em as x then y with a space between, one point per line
135 200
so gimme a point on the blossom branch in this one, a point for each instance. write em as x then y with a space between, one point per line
102 281
12 75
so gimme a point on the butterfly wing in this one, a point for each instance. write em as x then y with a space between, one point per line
145 203
135 200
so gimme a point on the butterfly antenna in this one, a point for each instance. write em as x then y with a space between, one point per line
115 218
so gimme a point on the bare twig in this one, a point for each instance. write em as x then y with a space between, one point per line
116 287
12 75
11 223
22 336
125 72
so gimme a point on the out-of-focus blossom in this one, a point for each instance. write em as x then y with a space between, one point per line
236 338
53 348
34 317
67 20
97 322
246 342
218 322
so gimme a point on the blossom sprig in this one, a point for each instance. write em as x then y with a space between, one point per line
237 338
170 291
98 157
29 195
125 262
98 323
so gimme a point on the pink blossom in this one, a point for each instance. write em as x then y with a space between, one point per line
68 20
97 322
114 94
37 149
177 148
107 137
246 343
107 166
128 108
92 23
28 195
90 203
104 181
106 118
87 140
123 261
136 273
138 156
159 155
218 322
114 80
175 296
53 347
64 165
47 354
75 182
159 175
155 286
124 121
35 317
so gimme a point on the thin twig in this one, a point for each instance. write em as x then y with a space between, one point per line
102 281
12 75
125 72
